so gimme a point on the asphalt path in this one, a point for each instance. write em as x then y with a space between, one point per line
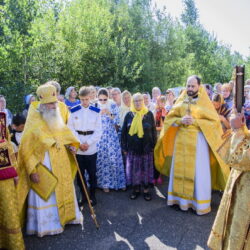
133 224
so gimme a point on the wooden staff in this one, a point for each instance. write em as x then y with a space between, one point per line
93 215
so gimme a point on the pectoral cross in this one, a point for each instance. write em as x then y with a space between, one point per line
189 100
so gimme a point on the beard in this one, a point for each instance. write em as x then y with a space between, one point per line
192 93
52 117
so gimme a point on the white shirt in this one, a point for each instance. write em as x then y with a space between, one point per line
18 136
86 120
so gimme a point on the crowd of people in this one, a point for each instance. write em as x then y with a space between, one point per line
118 140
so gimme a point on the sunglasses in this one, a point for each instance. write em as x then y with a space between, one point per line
103 100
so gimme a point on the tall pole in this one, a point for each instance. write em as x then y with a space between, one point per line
92 212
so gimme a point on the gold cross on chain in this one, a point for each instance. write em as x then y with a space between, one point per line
189 100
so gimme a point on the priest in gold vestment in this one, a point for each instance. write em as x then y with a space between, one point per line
46 139
231 229
10 229
186 150
61 105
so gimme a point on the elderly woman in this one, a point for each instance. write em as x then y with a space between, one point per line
170 95
116 96
110 169
71 97
155 93
93 95
138 142
28 100
209 90
125 105
147 102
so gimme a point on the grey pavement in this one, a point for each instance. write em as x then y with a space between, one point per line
133 224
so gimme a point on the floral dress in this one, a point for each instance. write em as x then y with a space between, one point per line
110 169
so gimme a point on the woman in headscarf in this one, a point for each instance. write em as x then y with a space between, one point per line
71 97
110 169
148 103
209 90
170 95
28 100
160 112
222 110
138 142
125 105
226 91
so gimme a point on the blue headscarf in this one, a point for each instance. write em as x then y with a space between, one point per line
27 100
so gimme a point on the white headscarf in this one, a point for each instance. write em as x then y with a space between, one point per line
124 109
68 91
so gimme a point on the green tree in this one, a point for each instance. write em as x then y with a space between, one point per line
129 44
16 19
190 15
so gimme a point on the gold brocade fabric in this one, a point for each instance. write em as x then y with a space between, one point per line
232 223
184 171
10 229
208 122
36 140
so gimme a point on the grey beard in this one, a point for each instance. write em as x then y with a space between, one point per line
52 117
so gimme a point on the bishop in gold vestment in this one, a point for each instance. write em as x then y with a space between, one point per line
186 150
10 229
231 229
45 140
61 105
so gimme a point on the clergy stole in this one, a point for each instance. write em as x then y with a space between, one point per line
185 161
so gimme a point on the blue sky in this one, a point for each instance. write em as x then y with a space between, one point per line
229 20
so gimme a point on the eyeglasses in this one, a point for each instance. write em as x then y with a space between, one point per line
103 100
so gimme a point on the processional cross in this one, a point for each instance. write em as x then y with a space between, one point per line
189 100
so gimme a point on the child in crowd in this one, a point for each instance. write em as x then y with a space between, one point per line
18 123
160 113
226 91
